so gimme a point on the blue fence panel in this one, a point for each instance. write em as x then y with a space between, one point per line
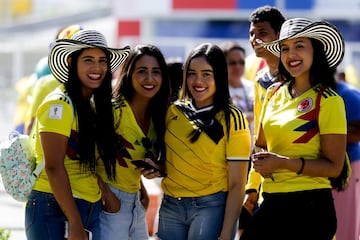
252 4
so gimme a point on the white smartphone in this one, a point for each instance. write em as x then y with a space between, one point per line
66 235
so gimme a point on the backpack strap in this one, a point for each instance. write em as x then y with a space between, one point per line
38 169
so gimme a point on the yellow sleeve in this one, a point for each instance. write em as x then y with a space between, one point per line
254 180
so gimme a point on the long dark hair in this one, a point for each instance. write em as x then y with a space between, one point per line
216 58
320 72
160 102
95 121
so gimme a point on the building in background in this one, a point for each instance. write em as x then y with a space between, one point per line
176 26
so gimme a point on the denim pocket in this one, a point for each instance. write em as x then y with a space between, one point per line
30 212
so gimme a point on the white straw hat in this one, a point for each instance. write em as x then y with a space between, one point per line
325 32
63 48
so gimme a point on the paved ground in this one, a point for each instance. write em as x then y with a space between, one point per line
12 215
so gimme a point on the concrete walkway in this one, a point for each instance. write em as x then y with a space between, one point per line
12 215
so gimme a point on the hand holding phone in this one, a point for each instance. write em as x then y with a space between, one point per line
147 166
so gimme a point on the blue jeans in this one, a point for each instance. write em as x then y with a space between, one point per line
192 217
44 218
129 222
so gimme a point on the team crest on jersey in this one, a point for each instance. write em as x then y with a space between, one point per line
305 105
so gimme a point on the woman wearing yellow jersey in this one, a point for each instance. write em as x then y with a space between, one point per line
66 194
303 129
207 154
141 94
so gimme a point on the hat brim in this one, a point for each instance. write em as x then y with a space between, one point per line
324 32
63 48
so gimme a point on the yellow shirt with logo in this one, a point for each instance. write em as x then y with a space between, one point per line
200 168
130 147
55 115
289 126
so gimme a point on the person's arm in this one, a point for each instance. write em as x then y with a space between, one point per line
328 165
54 148
237 171
353 132
252 190
29 126
144 197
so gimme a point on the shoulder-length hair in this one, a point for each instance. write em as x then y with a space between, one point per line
95 126
216 59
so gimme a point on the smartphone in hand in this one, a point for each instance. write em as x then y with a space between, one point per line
147 166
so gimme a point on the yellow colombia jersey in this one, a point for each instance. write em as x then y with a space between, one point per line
55 115
130 147
200 168
295 119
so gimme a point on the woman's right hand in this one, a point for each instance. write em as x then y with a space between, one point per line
110 203
77 232
250 201
150 173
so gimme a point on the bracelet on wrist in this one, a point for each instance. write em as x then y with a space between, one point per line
302 166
